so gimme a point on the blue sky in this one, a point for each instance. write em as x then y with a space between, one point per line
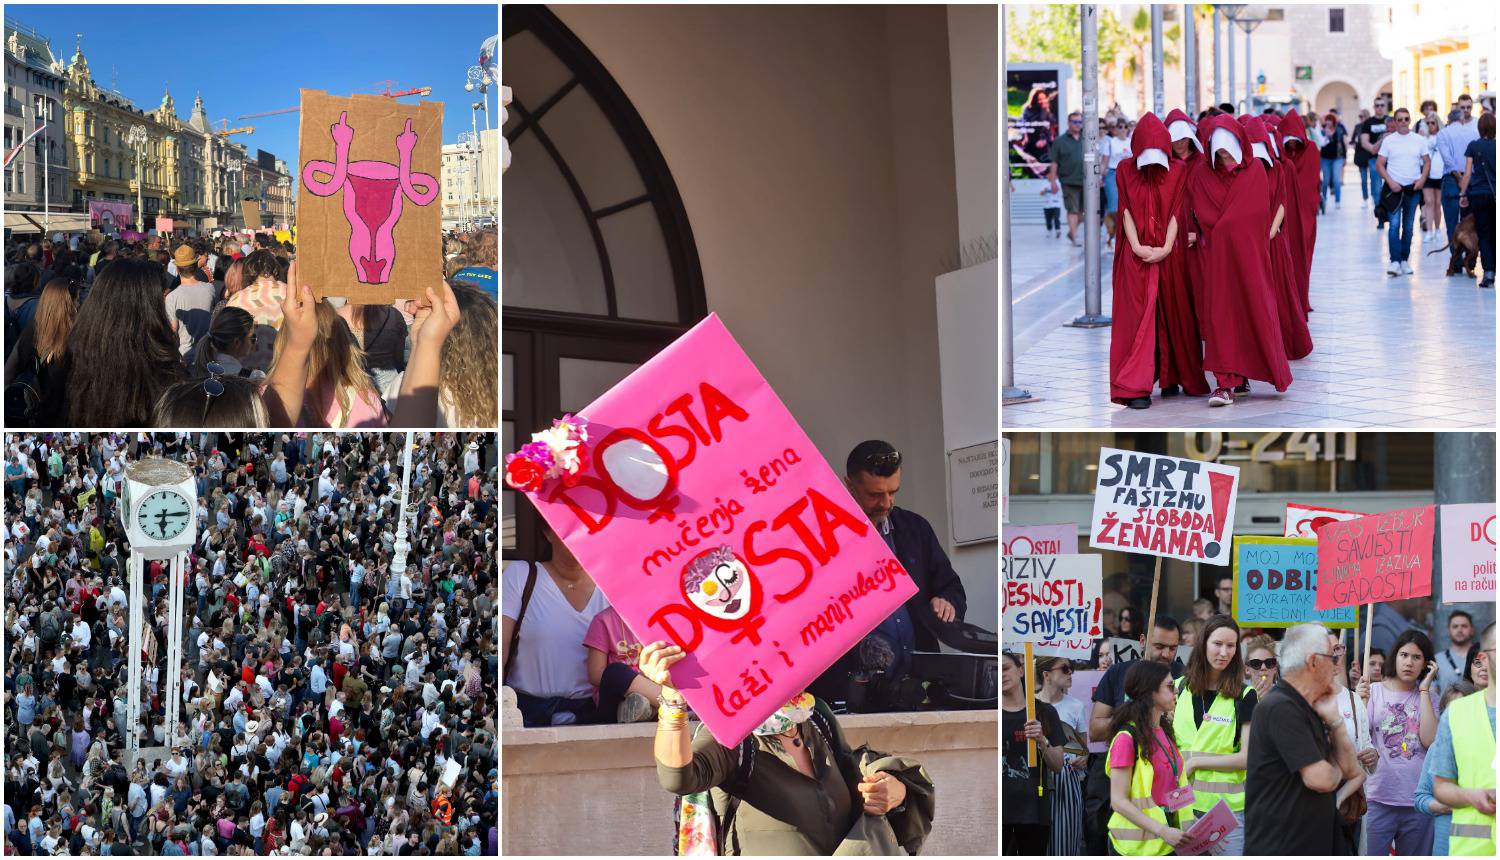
248 59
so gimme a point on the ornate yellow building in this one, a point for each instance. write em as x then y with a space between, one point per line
98 123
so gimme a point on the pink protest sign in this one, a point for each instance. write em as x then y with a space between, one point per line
1085 681
711 521
1375 559
1207 832
1050 539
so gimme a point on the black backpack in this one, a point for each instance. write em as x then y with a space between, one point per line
822 721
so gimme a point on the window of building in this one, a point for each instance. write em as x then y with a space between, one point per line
1335 20
600 266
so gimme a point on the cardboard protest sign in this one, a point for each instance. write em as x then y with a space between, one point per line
1304 520
1468 534
711 521
251 212
1166 506
1376 558
1050 598
1085 681
1051 539
1208 831
1123 650
367 206
1275 584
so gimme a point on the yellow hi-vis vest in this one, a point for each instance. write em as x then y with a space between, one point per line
1215 737
1473 832
1129 840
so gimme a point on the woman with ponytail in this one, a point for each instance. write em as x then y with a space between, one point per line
1145 766
231 336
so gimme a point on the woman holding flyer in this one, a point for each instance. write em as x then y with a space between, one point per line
792 787
1147 783
1212 722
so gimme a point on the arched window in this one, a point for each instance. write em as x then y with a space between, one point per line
600 270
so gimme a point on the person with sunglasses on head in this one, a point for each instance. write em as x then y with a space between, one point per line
1067 171
873 478
1300 754
1055 676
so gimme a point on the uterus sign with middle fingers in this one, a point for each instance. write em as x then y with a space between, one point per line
374 193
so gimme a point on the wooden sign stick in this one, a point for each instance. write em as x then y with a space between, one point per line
1364 668
1030 704
1155 586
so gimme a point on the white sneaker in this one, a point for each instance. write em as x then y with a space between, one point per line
1393 269
1338 204
1406 268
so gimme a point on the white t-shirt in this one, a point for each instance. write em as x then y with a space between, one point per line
1403 156
550 659
1114 149
1356 723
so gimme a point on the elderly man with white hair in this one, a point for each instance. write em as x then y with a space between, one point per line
1302 761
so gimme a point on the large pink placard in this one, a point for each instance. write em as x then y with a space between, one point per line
711 521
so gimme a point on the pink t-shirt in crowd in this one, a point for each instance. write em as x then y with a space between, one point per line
1122 754
608 633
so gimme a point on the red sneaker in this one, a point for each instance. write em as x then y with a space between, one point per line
1221 397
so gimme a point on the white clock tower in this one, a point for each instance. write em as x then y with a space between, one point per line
159 507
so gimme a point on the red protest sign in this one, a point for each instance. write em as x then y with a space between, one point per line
1376 558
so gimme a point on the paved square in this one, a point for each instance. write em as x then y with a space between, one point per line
1411 351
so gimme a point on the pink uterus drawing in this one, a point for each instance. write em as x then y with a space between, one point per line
373 193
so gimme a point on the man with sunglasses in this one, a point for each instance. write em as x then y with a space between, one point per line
872 475
1402 162
1067 170
1452 140
1301 758
1462 759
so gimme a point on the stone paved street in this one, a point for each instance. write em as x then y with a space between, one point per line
1411 351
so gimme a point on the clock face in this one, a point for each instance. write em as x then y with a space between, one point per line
163 515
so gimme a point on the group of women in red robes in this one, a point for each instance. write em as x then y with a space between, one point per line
1220 219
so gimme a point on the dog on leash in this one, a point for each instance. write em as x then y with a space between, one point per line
1463 248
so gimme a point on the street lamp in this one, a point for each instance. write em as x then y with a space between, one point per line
137 140
1230 11
232 168
285 184
1248 25
481 81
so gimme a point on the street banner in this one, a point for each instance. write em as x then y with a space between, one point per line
1208 831
1051 598
367 198
107 214
1304 520
1165 506
711 521
1376 558
1051 539
1275 584
1085 681
1468 535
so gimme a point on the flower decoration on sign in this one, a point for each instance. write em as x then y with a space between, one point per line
559 452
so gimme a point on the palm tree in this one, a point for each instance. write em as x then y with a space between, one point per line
1136 51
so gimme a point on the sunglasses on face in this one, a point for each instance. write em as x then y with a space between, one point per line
1075 122
1268 663
1065 668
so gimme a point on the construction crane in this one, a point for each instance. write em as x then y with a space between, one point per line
225 131
388 93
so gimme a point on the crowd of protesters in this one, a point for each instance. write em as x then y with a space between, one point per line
202 332
1310 754
331 702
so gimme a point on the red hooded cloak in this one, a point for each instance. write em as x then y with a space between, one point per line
1309 171
1154 333
1285 271
1230 211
